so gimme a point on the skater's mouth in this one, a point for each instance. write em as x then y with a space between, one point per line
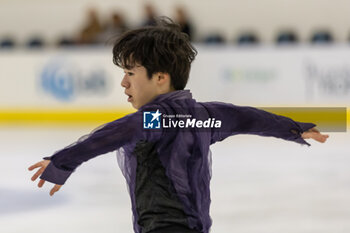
129 97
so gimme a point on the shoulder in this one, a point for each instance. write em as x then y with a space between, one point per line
216 104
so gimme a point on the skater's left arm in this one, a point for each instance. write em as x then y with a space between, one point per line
248 120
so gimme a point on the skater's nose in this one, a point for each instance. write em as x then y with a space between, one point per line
125 83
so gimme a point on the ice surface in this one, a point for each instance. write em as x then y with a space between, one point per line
259 185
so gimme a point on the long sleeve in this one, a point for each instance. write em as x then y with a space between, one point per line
249 120
105 139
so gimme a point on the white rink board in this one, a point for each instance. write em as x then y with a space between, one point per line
81 78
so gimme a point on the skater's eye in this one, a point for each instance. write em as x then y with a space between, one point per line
129 73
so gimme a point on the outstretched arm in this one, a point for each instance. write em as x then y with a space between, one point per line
58 167
249 120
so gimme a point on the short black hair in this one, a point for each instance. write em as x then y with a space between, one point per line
159 48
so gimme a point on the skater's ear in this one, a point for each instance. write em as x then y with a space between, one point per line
162 77
163 81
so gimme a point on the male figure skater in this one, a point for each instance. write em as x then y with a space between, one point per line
167 164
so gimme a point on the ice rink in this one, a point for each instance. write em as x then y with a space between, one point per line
259 185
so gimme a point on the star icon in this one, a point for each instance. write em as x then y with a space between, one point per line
155 115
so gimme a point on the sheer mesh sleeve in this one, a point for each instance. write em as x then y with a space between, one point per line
105 138
249 120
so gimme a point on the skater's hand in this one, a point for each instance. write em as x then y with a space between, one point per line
315 134
43 164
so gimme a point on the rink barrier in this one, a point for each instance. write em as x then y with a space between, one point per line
60 118
326 119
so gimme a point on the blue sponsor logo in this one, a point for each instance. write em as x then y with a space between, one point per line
58 80
65 81
151 120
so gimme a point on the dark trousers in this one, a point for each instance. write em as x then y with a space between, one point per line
175 229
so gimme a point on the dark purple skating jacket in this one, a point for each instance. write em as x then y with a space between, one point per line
168 170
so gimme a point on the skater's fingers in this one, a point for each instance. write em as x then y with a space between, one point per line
41 183
38 164
55 189
321 138
306 135
316 136
38 173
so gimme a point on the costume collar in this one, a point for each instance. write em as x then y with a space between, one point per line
174 95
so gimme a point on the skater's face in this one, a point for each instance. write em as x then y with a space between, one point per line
140 89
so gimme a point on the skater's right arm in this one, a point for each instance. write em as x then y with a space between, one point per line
106 139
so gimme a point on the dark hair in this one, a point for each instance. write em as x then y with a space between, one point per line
159 48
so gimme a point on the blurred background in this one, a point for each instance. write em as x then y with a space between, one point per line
58 82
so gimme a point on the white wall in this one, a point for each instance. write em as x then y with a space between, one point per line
56 17
86 78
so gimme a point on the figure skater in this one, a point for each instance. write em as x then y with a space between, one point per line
163 148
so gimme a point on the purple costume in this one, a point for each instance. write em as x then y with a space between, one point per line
167 170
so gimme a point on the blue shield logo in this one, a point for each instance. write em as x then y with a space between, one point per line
151 120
